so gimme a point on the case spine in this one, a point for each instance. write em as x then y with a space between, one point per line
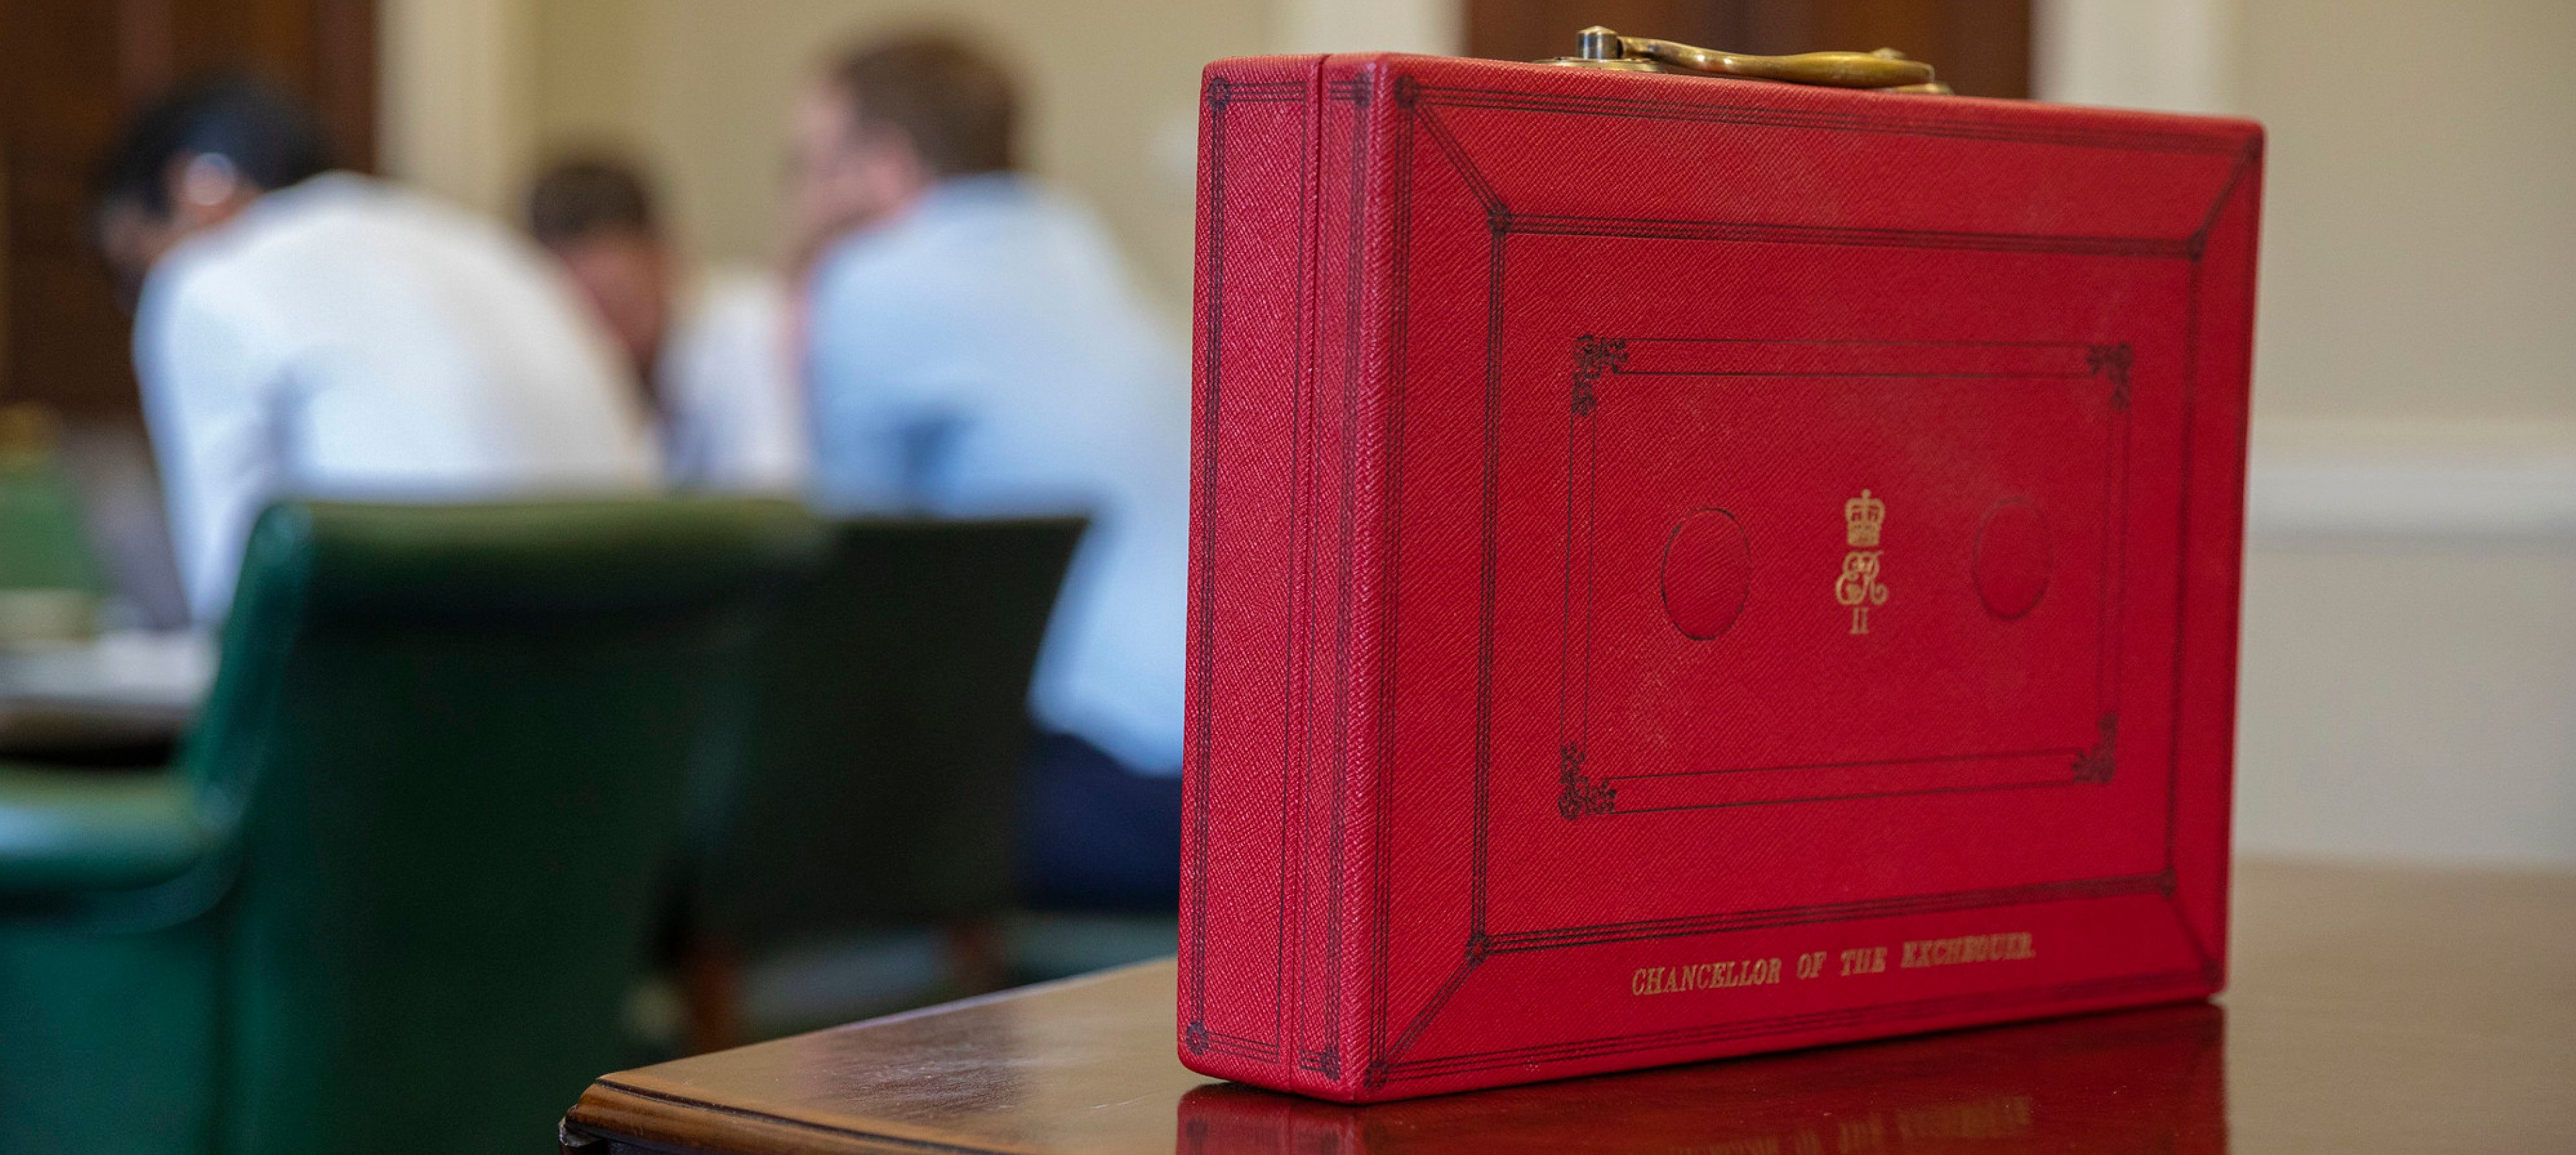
1242 951
1355 303
1290 523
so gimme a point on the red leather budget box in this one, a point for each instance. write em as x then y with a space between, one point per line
1687 566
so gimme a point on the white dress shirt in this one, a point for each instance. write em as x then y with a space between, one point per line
985 354
733 419
345 338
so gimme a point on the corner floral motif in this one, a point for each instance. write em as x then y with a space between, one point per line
1580 795
1595 357
2096 765
2112 363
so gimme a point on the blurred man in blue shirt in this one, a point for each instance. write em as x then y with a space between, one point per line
974 348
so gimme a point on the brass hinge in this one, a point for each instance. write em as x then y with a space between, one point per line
1886 70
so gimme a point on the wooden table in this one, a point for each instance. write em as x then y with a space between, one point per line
2372 1010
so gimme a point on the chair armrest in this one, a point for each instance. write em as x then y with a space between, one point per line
65 832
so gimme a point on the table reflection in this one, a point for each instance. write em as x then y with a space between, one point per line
2146 1081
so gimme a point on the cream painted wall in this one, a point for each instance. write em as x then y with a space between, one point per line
2421 207
2419 257
702 90
2400 698
457 116
2408 685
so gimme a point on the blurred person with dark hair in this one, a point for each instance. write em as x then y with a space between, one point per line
974 347
306 332
711 349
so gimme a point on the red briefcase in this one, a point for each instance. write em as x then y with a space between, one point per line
1687 565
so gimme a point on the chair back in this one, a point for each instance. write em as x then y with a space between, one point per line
879 779
458 738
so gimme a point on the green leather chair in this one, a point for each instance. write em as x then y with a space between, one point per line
879 779
396 889
42 543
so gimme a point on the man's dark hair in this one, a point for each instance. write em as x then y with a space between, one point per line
590 196
959 107
271 140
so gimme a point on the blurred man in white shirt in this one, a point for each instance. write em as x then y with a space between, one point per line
311 333
976 348
710 349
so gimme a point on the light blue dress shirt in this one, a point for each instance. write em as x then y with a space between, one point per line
984 354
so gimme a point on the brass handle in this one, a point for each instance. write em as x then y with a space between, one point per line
1886 68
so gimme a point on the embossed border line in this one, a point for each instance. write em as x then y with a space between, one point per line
1585 791
1418 119
1220 96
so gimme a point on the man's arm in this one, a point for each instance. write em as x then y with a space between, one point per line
210 378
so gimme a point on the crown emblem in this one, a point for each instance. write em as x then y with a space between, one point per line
1861 516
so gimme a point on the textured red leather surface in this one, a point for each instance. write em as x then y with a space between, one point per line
1687 566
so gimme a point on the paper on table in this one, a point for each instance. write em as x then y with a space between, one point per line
121 671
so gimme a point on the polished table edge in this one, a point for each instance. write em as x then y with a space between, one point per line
44 731
625 1111
35 723
638 1112
614 1118
2363 959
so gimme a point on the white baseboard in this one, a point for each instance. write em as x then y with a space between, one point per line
2433 483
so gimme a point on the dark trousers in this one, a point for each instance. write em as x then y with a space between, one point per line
1094 836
